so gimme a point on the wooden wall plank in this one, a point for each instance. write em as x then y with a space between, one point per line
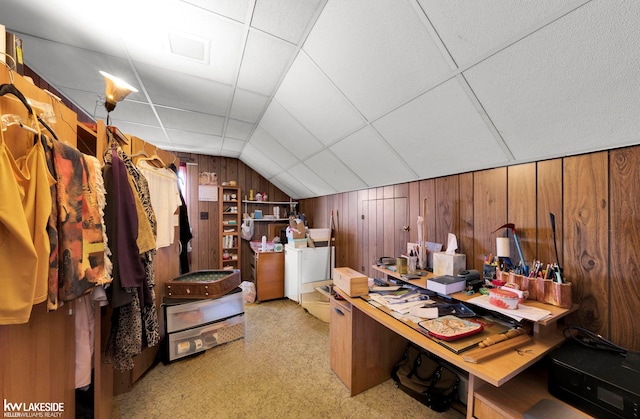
586 207
624 239
549 175
522 210
489 212
447 208
466 239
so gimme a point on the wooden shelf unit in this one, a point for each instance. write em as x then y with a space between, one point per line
230 223
272 204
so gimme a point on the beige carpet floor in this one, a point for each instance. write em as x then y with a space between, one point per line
280 369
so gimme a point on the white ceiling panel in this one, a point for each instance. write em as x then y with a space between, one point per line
238 130
183 91
583 95
264 62
312 181
233 9
283 187
289 132
469 29
371 158
231 147
334 172
146 38
271 148
313 100
45 19
51 59
189 120
135 112
298 189
363 93
377 52
150 134
257 160
424 130
286 19
248 106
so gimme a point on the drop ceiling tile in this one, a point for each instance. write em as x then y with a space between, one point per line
134 112
150 134
234 9
231 146
52 61
292 186
334 172
372 159
238 130
441 132
313 100
91 103
195 140
378 53
572 87
178 90
286 19
248 106
470 29
199 122
272 149
288 132
311 180
265 59
147 40
43 20
284 188
262 164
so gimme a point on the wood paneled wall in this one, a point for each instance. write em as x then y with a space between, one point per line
594 198
205 252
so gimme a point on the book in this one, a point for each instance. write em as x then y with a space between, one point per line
446 284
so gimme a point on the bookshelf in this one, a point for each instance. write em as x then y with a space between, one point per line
230 223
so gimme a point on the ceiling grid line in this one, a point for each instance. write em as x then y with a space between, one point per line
304 36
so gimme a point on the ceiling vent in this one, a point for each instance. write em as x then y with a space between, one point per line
189 46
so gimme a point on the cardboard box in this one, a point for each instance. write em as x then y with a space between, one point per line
298 231
352 282
299 243
444 264
316 304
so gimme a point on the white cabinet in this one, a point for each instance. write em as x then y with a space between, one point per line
306 268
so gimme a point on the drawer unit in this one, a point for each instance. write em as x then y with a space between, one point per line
203 284
198 339
184 314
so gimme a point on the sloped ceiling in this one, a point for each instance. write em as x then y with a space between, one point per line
327 96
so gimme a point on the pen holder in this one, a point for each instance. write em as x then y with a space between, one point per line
524 284
554 293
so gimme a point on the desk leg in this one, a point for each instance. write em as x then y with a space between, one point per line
474 384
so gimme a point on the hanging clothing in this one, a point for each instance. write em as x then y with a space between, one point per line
24 243
185 229
125 336
52 230
80 235
165 200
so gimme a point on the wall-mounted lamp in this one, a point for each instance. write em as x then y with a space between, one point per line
116 90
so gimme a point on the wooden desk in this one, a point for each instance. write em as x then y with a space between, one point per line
370 348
